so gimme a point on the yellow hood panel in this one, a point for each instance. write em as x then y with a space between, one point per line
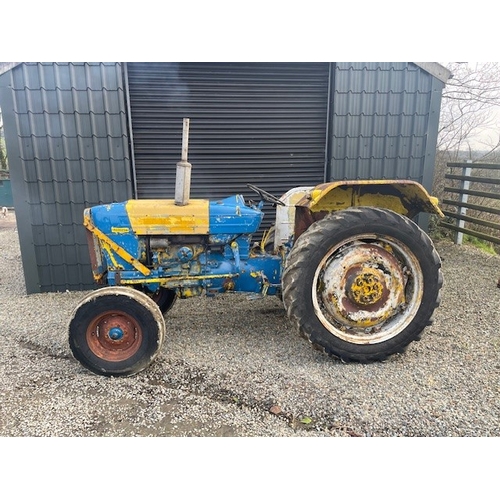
165 217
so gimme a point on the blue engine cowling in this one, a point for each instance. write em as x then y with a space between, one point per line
203 246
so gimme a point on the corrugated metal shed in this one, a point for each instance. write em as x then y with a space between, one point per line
384 122
65 129
80 134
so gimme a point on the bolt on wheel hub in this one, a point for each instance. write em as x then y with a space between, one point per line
366 287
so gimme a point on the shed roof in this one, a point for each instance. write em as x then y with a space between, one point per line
7 66
434 68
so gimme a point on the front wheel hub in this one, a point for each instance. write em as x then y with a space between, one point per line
115 333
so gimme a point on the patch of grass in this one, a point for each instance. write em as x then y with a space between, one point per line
481 244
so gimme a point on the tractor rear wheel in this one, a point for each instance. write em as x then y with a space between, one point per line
116 331
362 283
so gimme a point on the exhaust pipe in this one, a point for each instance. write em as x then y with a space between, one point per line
183 174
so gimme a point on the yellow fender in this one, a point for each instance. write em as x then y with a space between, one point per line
405 197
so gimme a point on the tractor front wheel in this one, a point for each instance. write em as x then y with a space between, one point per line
116 331
362 283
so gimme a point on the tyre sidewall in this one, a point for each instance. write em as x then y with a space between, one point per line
338 227
151 341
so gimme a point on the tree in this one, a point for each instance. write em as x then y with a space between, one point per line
470 110
470 130
3 152
469 127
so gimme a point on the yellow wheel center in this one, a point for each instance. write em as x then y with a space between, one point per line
367 288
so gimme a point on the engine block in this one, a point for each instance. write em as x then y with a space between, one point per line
203 246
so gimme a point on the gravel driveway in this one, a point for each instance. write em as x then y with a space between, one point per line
232 367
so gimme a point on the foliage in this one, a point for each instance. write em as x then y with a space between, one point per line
438 232
470 104
481 244
469 130
3 150
469 126
3 155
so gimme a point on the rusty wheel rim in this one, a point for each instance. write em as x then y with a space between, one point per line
367 289
114 336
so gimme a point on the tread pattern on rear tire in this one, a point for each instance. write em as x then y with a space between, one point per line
309 249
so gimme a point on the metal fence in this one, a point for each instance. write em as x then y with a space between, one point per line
472 203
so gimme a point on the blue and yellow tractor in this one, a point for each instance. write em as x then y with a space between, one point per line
358 278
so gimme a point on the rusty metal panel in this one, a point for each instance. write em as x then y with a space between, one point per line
404 197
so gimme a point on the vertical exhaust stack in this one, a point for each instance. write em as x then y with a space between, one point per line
183 174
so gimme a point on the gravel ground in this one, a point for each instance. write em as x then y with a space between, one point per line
232 367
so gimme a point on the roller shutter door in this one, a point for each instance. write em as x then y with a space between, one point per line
259 123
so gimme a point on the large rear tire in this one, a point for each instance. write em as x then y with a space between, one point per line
116 331
362 283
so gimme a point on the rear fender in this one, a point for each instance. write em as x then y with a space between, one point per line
405 197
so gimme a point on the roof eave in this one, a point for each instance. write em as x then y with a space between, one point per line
436 70
7 66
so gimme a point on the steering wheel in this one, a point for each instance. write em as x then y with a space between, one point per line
265 195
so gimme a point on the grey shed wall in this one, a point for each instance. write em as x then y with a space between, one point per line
68 128
65 130
384 122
